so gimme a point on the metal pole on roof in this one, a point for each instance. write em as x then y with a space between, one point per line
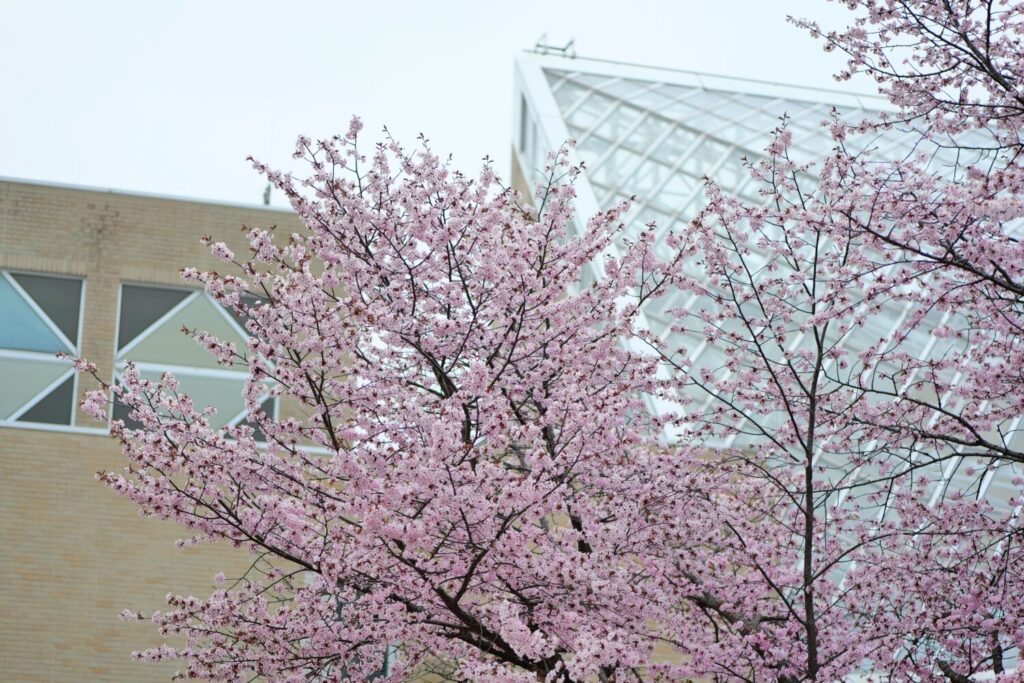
543 47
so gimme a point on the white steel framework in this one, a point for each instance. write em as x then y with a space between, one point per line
654 134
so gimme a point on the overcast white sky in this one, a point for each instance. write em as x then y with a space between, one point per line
169 97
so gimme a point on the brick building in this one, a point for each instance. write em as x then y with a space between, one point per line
95 273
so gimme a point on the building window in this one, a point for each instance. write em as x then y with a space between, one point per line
42 316
528 142
149 335
524 123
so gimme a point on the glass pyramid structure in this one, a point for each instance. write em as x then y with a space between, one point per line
653 134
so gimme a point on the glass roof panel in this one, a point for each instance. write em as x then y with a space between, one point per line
656 141
569 94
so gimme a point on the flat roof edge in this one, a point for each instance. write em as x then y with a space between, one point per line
679 76
143 195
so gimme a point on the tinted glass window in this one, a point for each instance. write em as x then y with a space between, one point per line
143 306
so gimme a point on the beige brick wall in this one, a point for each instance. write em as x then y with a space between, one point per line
74 554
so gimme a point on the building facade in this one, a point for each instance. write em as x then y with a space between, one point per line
95 273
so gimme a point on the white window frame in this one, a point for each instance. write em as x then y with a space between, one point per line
120 361
75 349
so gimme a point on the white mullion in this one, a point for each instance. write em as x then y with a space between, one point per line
613 105
72 348
618 144
748 141
701 136
563 78
186 370
672 127
763 109
114 371
592 90
616 104
639 164
742 185
243 414
672 122
698 190
690 151
78 334
715 132
588 133
244 334
36 356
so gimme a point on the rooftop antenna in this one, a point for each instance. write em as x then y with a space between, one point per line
543 47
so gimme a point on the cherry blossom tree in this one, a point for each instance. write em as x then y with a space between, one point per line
868 385
465 482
